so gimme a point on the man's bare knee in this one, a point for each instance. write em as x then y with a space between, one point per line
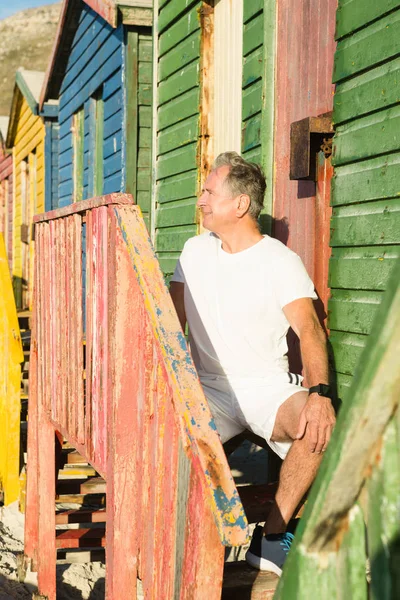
288 417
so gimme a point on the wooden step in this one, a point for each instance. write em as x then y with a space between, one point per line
243 582
94 485
73 457
76 471
78 555
81 516
92 500
81 538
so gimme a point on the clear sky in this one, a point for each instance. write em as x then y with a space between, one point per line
8 8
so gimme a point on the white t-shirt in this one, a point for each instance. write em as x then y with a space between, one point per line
234 302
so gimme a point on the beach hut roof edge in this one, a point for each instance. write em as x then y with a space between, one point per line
3 128
28 85
67 25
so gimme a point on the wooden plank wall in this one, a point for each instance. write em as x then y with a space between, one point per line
51 163
365 233
304 64
177 125
95 61
253 61
144 101
29 140
6 191
352 514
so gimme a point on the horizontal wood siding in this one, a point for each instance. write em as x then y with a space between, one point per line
95 61
178 39
144 97
365 232
51 162
29 140
253 62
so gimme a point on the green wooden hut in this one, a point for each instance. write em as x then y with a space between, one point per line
365 227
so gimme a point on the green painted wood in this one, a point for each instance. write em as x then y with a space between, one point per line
253 155
179 187
144 157
145 47
145 72
250 9
253 35
368 47
183 28
179 83
368 92
173 238
145 94
183 53
144 137
351 16
347 349
180 212
78 140
167 262
144 200
177 161
181 108
343 384
367 180
330 536
99 147
251 131
178 135
365 268
366 224
145 116
383 517
253 67
143 179
131 126
173 10
252 100
374 134
177 126
353 310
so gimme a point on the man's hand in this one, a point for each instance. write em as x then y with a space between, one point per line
319 416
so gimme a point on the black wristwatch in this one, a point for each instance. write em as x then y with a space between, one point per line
322 389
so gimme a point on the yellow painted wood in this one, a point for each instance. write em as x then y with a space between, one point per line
28 156
11 357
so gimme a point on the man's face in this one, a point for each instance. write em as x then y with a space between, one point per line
218 207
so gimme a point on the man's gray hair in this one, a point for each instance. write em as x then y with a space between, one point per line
243 178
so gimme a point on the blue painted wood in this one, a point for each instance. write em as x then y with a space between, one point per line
113 124
112 165
111 145
112 184
95 61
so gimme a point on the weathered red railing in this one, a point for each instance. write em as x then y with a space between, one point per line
131 403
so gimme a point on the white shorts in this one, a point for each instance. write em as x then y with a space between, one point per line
250 403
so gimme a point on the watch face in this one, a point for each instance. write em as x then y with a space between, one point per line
325 390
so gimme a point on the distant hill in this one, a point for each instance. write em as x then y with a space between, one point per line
26 40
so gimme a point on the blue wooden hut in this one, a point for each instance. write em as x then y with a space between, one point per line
100 75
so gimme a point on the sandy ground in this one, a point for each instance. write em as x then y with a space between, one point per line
87 581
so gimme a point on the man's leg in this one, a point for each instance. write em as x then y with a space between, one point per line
299 467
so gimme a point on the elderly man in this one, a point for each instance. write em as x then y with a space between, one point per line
239 292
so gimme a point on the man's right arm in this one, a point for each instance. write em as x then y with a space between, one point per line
177 291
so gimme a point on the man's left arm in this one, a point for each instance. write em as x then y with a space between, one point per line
318 414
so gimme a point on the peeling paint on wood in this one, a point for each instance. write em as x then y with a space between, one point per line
144 407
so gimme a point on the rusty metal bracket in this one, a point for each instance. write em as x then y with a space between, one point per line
307 137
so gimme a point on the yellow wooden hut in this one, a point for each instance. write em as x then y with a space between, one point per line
25 136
